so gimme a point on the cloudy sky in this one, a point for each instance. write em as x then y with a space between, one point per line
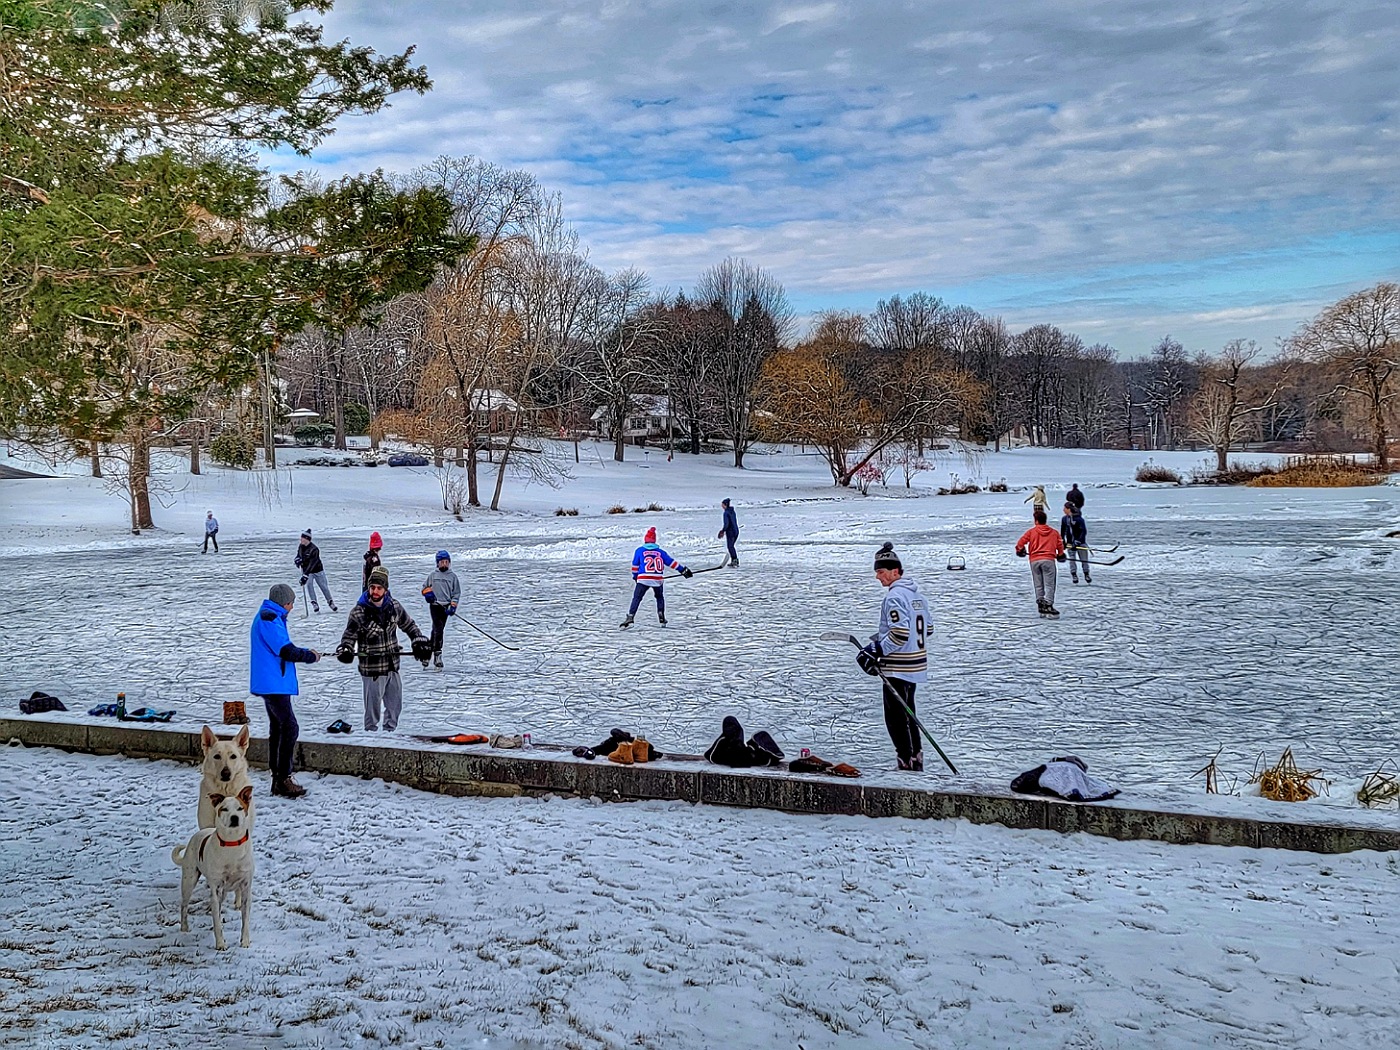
1122 168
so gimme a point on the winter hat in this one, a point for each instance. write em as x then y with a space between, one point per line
375 542
306 535
379 575
282 594
886 558
724 502
443 556
651 535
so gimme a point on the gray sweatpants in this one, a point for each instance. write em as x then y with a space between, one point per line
1078 555
1043 576
389 689
315 579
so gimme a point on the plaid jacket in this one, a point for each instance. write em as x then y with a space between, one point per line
374 631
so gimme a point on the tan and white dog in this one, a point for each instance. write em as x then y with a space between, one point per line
223 854
225 770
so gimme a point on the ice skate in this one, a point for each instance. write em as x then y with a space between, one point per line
627 622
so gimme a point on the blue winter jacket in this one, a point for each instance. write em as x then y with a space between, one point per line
272 658
731 523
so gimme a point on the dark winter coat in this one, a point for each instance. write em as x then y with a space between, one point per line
729 748
1075 498
308 559
731 523
373 629
272 658
1073 530
372 562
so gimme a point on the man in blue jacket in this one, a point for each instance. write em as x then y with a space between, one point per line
272 675
730 531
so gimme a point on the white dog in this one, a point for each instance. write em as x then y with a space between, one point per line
225 771
223 854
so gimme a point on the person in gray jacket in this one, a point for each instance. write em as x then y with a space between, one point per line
442 592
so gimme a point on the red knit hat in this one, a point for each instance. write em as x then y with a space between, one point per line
375 543
651 535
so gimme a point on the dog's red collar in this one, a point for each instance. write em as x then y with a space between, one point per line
238 843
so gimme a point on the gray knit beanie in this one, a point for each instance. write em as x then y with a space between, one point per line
282 594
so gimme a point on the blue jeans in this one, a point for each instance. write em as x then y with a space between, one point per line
641 589
733 554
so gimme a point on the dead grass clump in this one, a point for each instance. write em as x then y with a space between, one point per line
1150 471
1381 788
1284 781
1320 472
1234 474
617 508
566 512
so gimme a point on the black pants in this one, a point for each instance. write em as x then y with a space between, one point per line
730 541
282 730
211 537
903 730
439 615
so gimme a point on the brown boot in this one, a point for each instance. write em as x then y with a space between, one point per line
641 750
288 788
235 713
622 754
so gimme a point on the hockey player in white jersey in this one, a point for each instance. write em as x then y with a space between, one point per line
896 652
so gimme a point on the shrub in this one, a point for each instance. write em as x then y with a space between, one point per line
571 512
997 486
1150 471
639 510
315 434
1320 472
617 508
234 448
655 506
356 418
1237 474
866 476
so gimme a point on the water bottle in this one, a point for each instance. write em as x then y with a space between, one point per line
525 741
121 706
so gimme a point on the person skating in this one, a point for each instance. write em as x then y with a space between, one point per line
272 675
1037 499
373 628
649 565
211 533
1075 535
730 531
372 561
442 592
1075 496
1044 547
308 560
897 650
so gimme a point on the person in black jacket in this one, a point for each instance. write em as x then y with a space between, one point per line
1075 496
1076 536
308 560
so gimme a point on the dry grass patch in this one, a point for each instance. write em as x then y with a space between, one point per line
1319 472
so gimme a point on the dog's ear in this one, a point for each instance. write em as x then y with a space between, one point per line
216 798
246 796
207 738
242 739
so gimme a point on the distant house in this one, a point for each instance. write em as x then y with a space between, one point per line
495 411
649 419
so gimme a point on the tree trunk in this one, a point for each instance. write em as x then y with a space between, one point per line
338 393
473 492
139 483
194 450
1222 454
95 450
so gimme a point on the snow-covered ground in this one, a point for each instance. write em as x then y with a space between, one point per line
387 917
1241 619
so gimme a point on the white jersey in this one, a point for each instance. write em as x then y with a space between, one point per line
903 629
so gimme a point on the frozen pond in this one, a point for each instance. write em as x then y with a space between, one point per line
1241 618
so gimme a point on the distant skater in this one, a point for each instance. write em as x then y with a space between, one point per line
211 533
442 592
1037 500
1076 538
372 561
1075 496
730 531
649 565
1045 547
308 560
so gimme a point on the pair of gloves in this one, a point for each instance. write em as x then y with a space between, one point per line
1021 553
422 650
430 597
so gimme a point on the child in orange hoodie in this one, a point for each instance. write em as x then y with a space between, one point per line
1045 547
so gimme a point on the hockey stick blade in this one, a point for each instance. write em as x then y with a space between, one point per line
840 636
1115 561
478 630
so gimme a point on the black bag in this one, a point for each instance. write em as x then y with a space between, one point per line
39 702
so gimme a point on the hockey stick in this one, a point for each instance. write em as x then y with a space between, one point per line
842 636
478 630
697 572
1091 561
1094 550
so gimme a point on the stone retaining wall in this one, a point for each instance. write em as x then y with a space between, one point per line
543 770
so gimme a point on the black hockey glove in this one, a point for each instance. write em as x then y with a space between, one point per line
1020 552
301 582
687 573
1061 558
345 654
869 659
422 649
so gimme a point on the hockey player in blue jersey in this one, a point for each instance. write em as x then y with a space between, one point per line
896 652
649 565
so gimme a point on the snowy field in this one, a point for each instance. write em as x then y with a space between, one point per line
1241 619
388 917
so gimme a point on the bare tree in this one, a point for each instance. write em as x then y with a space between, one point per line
615 359
757 321
1358 340
1169 391
1232 398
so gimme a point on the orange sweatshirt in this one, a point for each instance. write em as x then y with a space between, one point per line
1042 542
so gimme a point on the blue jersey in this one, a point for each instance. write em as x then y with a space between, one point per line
649 565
